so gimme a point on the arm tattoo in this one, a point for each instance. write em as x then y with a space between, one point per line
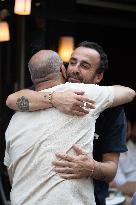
23 104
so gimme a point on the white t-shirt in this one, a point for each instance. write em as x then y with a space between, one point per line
33 138
127 165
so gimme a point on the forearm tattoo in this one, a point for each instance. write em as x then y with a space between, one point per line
23 104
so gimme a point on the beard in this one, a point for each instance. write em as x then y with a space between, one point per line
74 78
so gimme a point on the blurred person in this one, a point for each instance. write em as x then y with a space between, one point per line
133 202
125 179
110 126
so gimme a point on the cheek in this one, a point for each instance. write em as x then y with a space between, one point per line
88 76
69 69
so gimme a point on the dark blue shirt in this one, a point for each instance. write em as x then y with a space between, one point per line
111 127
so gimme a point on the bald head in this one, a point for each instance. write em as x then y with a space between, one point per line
43 63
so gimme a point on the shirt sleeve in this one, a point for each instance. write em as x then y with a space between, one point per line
120 178
104 98
6 159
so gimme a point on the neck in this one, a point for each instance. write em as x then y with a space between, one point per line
49 84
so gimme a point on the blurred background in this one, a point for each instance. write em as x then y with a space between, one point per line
44 24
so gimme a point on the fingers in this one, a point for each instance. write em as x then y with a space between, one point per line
90 105
82 112
62 163
70 176
65 157
84 99
79 92
66 170
75 103
69 160
78 150
75 167
85 104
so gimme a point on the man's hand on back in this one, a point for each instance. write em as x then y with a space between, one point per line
74 167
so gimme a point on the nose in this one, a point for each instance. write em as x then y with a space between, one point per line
76 68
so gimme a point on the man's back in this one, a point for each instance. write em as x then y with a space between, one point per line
34 138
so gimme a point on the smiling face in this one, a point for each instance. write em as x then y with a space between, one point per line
83 66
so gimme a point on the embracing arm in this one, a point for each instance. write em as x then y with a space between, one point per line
28 100
82 165
106 170
70 102
122 95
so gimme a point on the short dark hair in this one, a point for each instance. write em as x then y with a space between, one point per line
104 59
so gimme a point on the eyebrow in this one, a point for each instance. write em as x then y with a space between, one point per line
72 58
86 62
83 61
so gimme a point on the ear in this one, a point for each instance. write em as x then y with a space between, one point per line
98 78
63 71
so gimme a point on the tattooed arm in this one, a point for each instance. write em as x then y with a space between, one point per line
28 100
70 102
22 103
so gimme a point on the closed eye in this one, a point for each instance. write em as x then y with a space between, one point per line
85 65
72 62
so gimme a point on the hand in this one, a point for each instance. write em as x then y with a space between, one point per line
71 102
74 167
